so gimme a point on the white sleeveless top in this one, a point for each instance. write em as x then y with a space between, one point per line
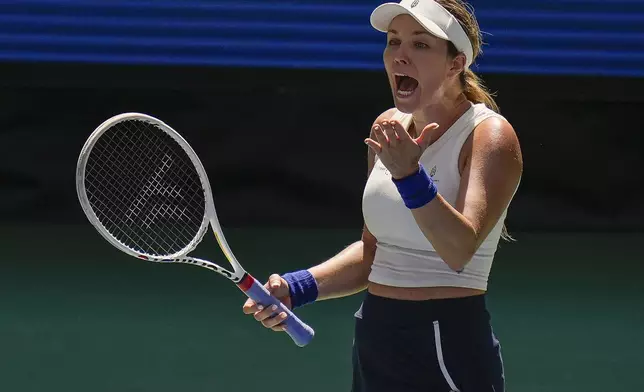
404 256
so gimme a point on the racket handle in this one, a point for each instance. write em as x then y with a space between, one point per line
295 328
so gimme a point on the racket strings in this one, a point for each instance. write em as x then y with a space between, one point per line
156 184
144 189
115 226
152 184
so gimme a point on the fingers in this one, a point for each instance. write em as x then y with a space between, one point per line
377 139
279 328
270 317
383 136
387 134
423 140
250 307
273 284
379 133
401 132
388 128
375 146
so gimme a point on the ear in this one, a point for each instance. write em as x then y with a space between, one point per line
457 65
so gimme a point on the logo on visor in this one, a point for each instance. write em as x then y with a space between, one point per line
415 3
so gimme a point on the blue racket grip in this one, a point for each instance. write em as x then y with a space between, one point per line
301 333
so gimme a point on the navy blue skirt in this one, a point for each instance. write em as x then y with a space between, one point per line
430 346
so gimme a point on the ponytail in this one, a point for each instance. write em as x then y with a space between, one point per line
475 90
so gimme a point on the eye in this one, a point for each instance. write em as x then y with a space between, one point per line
421 45
393 41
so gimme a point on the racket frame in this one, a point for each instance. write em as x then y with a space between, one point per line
299 331
210 217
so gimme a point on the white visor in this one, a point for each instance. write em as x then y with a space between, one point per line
432 16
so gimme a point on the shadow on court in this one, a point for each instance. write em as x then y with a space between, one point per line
78 315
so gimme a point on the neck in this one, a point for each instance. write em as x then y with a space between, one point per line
444 113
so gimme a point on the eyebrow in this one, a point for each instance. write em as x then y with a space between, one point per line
418 32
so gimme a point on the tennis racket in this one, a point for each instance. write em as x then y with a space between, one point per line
145 190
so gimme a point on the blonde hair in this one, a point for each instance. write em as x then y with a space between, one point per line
473 86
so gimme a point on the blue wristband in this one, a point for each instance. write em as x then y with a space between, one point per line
302 288
417 189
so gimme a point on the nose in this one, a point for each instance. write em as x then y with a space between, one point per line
400 58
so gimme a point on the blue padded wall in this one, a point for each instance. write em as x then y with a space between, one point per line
585 37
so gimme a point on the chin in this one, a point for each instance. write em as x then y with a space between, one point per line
406 105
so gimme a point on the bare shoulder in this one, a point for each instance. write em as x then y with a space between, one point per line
494 139
386 115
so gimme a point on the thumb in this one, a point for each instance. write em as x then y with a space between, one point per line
423 140
274 283
278 287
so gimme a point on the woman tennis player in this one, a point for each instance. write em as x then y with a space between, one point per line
443 169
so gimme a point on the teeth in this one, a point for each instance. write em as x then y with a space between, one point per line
402 93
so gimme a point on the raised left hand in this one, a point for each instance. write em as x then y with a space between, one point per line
395 147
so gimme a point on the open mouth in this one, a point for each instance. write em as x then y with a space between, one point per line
405 85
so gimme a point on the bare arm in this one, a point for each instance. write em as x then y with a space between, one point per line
347 272
489 178
344 274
